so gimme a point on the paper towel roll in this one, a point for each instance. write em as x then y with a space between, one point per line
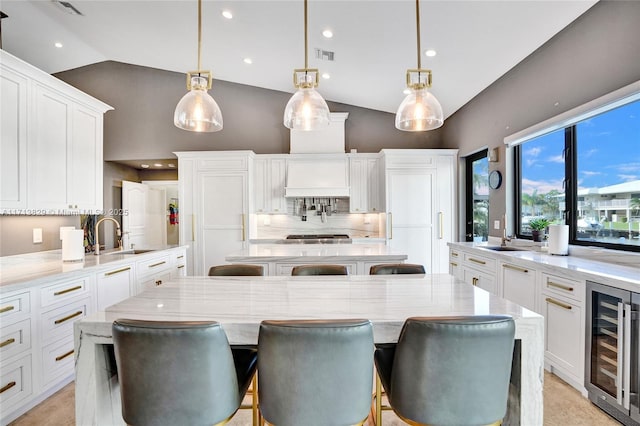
73 245
559 239
64 229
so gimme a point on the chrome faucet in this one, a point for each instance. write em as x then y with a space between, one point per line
118 233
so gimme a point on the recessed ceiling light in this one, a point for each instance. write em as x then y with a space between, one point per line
327 33
406 91
171 165
430 53
144 166
157 164
247 60
556 104
58 44
227 14
326 76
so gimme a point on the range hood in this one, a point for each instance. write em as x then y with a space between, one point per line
317 176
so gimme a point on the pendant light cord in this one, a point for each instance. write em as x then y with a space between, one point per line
306 54
199 32
418 31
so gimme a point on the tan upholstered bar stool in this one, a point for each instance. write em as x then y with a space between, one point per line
181 372
315 373
319 270
238 270
448 370
396 268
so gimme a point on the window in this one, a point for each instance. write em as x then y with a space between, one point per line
585 174
477 196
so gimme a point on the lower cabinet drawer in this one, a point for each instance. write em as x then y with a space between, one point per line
14 308
59 322
564 334
57 360
14 339
15 382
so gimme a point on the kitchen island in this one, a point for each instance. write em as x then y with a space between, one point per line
279 259
241 303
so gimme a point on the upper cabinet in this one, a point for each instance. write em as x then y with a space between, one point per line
269 182
364 176
51 146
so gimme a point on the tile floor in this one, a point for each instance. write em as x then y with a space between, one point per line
563 406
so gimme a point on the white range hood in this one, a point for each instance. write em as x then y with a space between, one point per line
319 167
317 176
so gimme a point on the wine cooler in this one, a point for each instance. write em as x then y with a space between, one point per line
612 355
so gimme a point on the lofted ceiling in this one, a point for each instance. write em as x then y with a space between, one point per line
374 42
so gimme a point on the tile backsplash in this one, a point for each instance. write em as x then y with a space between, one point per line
354 225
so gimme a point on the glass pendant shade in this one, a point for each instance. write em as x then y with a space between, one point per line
419 111
197 111
306 110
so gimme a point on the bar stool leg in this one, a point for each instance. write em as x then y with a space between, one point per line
378 401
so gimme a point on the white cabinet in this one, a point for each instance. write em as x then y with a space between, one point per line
269 183
214 193
115 285
364 179
455 265
153 271
474 269
51 142
420 220
179 268
520 285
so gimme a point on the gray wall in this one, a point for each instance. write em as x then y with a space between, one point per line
597 54
141 126
16 233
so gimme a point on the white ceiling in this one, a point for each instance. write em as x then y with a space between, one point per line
374 41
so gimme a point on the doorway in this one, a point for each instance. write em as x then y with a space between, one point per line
477 197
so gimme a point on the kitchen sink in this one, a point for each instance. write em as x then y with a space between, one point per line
131 251
503 248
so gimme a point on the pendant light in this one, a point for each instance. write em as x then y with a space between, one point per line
197 111
306 110
420 110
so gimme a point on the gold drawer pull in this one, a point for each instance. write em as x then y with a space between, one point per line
117 271
7 342
515 268
63 356
481 262
560 286
158 264
454 254
68 317
555 302
7 386
474 281
69 290
181 256
181 266
7 309
453 264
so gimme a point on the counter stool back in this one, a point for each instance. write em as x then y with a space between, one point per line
319 270
315 373
181 372
396 268
449 370
238 270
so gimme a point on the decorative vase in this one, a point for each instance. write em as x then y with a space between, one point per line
536 235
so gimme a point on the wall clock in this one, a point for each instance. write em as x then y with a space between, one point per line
495 179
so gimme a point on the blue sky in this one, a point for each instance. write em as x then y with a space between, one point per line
608 153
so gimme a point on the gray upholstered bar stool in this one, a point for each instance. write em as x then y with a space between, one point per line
396 268
315 373
448 371
319 270
239 270
173 373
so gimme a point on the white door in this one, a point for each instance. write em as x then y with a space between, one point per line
144 215
156 228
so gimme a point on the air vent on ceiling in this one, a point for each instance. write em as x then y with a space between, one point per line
324 55
67 7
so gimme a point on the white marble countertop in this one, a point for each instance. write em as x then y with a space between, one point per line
605 272
24 270
319 252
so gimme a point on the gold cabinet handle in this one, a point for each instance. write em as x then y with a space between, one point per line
474 281
481 262
158 282
453 264
181 266
515 268
63 356
158 264
69 290
7 342
555 302
7 309
193 227
181 256
454 254
7 386
117 271
68 317
243 229
441 225
560 286
391 225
